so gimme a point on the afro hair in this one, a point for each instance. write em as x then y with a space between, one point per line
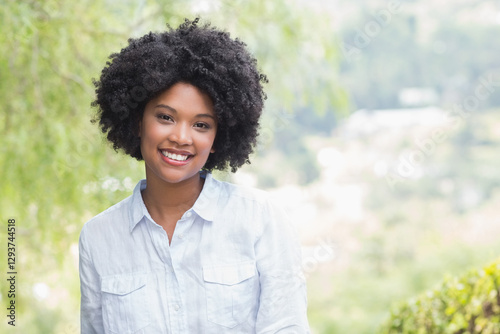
202 56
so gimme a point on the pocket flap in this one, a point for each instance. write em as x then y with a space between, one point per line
123 284
229 274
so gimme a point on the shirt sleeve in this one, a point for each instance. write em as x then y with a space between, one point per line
90 288
283 297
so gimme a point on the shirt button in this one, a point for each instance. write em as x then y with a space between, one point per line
188 214
176 307
181 236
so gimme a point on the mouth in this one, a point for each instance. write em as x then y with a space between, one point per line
177 158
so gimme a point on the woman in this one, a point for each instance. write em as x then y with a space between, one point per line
186 253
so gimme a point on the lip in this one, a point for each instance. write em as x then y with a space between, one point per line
173 162
174 151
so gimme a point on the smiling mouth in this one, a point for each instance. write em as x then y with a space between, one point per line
176 157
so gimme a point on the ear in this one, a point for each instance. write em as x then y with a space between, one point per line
212 150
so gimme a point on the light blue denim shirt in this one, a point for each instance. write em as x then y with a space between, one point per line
233 266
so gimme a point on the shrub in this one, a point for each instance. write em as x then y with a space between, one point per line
460 305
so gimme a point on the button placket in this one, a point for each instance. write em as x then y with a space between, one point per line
160 241
184 225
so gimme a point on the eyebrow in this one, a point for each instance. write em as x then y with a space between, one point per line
166 107
175 111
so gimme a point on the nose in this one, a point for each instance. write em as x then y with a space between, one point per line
181 134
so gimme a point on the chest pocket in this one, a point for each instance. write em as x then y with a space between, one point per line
124 303
232 292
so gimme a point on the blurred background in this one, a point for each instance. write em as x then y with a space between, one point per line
381 135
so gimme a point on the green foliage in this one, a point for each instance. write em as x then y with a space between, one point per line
294 43
466 304
56 170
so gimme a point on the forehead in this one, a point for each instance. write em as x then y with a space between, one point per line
184 98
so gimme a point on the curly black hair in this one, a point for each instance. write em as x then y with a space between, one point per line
203 56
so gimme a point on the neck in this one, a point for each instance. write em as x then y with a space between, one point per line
165 199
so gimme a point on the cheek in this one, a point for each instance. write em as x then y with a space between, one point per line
150 139
208 144
150 133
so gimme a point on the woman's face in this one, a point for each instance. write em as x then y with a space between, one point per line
177 133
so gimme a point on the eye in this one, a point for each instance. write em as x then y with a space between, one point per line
164 117
201 125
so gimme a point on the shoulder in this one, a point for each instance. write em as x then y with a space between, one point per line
247 199
256 204
241 193
105 229
116 214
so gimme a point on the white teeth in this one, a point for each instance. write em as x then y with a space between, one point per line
178 157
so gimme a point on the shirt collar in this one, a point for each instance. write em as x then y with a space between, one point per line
137 207
205 206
